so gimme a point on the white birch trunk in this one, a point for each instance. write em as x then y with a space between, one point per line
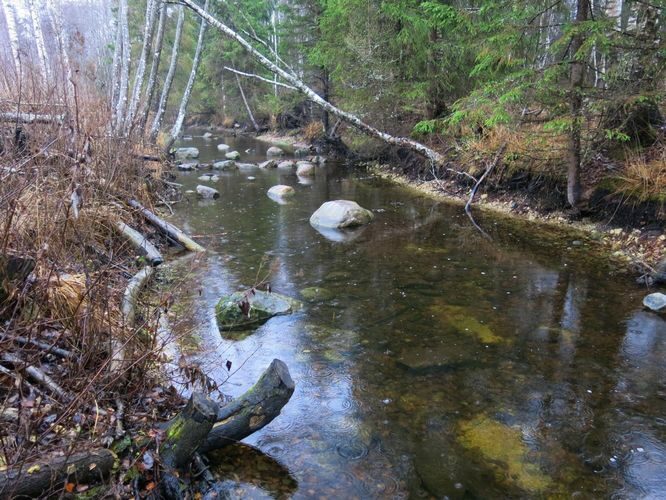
12 32
35 17
154 68
148 29
121 104
115 72
353 120
175 130
166 89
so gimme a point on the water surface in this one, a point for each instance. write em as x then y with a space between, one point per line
440 363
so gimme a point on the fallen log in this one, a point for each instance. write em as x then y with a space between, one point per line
141 243
34 480
167 228
253 410
128 310
38 376
31 118
47 348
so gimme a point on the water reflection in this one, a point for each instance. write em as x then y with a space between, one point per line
441 364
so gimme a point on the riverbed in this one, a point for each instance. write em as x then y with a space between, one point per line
429 360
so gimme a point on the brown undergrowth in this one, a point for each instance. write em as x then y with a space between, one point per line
64 268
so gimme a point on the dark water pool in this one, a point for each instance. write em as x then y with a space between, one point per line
437 364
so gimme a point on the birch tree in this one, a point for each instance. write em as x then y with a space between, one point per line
148 29
12 32
115 71
121 103
175 130
35 7
154 68
166 88
54 15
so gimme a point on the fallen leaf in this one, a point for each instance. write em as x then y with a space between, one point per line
150 486
34 468
69 487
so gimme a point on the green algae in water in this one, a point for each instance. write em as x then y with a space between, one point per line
503 450
462 319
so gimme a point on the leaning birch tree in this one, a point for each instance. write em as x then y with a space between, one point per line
166 88
175 130
295 81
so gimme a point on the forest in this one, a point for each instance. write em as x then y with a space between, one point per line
332 248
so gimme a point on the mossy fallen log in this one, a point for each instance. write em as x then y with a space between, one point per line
253 410
167 228
36 479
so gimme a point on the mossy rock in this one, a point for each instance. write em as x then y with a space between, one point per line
316 294
263 306
463 320
501 449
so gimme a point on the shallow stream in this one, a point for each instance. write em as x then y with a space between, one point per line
430 362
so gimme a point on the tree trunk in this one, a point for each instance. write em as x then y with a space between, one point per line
247 106
35 13
313 96
166 89
12 33
148 28
121 104
254 409
56 22
115 72
175 130
154 68
577 78
33 480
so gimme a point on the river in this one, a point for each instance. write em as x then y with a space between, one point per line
434 362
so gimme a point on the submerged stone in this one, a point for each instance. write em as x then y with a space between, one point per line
501 449
224 165
268 164
286 164
305 169
207 135
207 193
280 192
463 320
186 153
274 151
262 306
223 147
232 155
655 302
340 214
187 167
316 294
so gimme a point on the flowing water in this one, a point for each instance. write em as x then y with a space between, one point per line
431 362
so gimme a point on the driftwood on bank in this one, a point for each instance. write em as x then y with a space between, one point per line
141 243
128 309
34 480
167 228
254 409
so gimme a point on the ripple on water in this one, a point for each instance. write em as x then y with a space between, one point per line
352 449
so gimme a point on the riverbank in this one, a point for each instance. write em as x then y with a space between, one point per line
639 249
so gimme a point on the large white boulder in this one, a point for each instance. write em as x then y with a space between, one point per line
186 153
207 192
223 147
232 155
338 214
274 151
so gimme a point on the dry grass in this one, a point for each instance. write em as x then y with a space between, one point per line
312 131
228 122
642 178
529 148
